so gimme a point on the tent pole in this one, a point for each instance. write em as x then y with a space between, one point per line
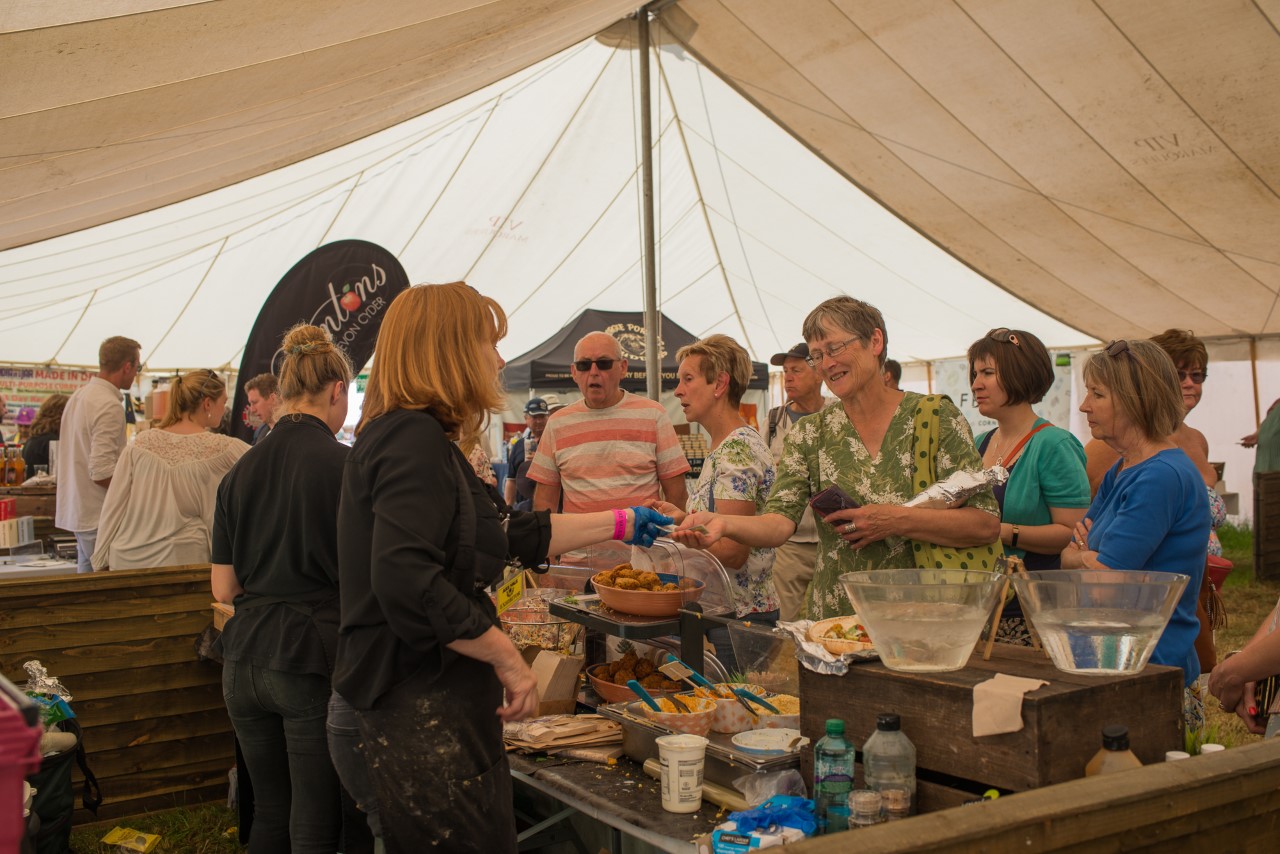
652 362
1253 367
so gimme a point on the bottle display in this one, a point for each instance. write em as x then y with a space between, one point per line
889 764
1115 754
832 779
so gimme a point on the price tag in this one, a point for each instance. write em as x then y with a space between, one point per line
510 592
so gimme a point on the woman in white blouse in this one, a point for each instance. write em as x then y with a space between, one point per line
159 508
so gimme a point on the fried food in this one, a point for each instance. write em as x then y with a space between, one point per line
644 667
627 583
626 577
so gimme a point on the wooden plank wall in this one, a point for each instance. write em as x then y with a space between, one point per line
155 727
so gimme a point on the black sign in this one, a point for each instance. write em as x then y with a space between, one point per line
344 287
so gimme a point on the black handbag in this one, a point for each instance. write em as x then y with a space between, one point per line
54 800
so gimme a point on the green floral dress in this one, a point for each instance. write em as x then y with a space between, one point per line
823 449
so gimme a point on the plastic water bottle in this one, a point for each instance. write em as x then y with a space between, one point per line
832 779
889 764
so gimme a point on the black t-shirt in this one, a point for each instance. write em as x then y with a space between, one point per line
276 524
36 451
405 591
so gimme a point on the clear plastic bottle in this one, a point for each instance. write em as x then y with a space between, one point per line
832 779
889 763
1115 754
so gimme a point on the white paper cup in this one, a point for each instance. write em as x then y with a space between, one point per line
682 758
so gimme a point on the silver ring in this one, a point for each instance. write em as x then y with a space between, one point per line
850 528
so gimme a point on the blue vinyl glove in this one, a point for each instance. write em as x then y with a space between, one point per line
648 526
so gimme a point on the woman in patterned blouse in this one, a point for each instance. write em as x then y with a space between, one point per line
865 444
738 472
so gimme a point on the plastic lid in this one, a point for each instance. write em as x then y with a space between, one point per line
888 723
1115 737
1210 747
835 726
1175 755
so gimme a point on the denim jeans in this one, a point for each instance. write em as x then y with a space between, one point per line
86 542
279 719
344 748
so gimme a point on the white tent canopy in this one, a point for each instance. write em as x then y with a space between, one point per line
1112 165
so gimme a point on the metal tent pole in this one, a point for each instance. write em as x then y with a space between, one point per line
652 322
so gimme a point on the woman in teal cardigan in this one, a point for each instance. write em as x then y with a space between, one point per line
1048 490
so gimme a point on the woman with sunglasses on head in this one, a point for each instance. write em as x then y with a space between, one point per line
1047 492
421 658
159 507
877 444
1151 511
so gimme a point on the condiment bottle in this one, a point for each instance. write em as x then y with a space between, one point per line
889 760
832 779
1115 754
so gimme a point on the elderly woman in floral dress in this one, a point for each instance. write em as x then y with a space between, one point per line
879 445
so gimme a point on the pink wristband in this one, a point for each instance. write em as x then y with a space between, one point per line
619 524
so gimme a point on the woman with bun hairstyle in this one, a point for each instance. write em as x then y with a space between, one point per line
275 557
159 507
421 656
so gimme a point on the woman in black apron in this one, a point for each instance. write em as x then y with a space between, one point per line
420 655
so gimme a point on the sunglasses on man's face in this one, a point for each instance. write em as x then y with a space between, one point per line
584 365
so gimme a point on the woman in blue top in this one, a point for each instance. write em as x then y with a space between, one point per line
1151 511
1048 491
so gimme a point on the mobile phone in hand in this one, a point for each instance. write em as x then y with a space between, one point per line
831 499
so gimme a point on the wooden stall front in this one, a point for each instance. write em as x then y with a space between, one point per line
155 727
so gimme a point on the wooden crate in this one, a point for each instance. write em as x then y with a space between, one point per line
155 726
1266 525
1061 730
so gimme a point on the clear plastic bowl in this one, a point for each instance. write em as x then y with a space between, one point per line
1099 621
923 620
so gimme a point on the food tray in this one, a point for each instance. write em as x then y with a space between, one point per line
725 762
594 614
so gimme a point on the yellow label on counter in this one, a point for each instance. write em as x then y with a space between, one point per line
510 592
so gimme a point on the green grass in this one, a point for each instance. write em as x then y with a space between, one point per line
208 829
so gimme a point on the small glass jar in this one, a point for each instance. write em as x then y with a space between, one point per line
896 802
865 808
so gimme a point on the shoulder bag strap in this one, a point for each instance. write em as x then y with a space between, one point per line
775 415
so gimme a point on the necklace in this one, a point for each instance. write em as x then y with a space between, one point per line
1012 447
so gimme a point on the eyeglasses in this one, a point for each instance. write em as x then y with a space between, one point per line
815 357
1197 377
584 365
1116 347
1005 335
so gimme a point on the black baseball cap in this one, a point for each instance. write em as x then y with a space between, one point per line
799 351
536 406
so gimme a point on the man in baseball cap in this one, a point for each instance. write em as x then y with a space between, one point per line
794 560
518 489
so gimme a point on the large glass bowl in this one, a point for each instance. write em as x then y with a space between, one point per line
1099 621
923 620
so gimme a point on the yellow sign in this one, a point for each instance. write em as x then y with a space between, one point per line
510 592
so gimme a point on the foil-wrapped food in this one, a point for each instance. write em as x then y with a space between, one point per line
959 487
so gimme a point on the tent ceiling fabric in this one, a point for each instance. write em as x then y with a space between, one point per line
1114 163
145 103
529 190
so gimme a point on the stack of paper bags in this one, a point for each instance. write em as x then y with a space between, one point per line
589 737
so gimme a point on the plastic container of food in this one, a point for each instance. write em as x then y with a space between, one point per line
787 716
696 722
528 622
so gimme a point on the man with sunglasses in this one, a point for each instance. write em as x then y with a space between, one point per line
610 449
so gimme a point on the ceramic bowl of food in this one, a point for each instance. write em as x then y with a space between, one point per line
645 594
612 688
695 722
840 635
730 716
787 716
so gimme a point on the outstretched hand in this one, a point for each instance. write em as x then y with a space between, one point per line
647 526
700 530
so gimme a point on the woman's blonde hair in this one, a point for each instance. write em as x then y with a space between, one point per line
188 391
49 418
311 361
720 354
434 352
1143 383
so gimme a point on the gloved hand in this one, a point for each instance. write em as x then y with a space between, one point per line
646 529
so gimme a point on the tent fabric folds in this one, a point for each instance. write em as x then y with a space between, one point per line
1086 171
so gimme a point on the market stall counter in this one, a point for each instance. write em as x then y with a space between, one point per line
621 796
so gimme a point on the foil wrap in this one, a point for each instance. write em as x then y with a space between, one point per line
959 487
40 682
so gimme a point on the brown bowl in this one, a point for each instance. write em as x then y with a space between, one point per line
611 692
650 603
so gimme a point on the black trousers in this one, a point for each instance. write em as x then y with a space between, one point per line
433 749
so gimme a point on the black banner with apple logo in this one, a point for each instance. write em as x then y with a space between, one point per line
345 287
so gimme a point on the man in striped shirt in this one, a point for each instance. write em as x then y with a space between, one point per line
610 449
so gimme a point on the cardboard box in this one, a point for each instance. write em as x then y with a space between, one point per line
557 682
